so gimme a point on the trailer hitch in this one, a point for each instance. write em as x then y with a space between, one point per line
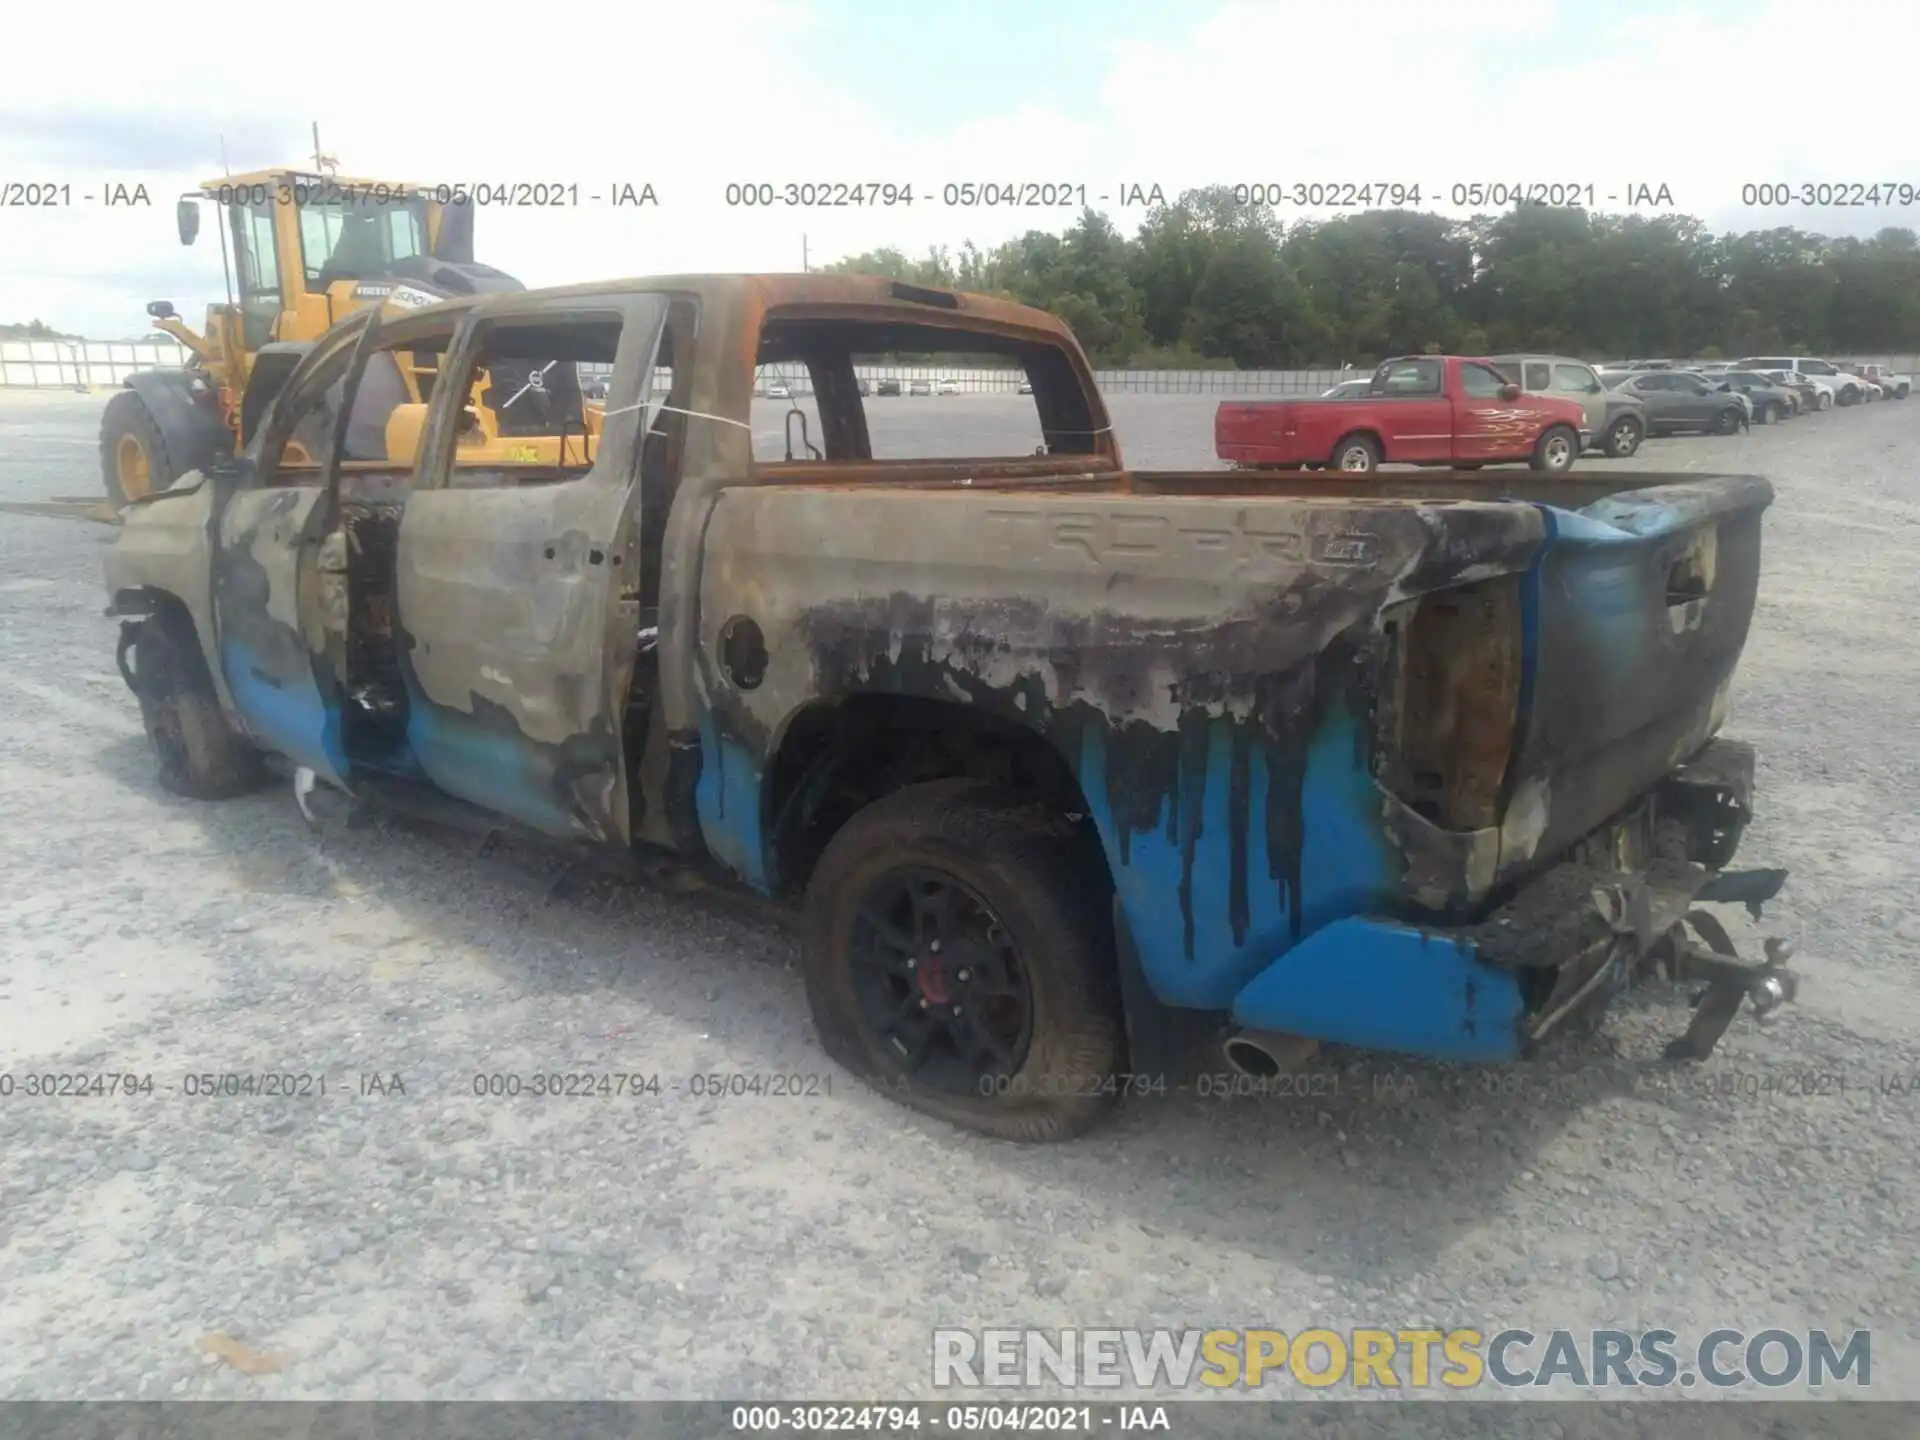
1694 946
1729 981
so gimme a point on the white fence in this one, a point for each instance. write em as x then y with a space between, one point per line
82 364
98 364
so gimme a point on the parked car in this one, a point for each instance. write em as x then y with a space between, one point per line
1411 808
594 387
1771 400
1847 389
779 390
1348 389
919 387
866 387
1897 386
1026 387
1615 423
1815 392
1875 391
1678 400
887 387
1418 410
946 387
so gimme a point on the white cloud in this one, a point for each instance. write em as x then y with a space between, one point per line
689 98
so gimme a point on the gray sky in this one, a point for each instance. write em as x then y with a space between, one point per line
1098 94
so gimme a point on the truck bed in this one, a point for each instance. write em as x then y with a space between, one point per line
1286 699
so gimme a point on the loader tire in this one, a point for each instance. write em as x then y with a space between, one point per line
197 753
133 453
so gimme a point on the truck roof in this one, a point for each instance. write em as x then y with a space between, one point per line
851 294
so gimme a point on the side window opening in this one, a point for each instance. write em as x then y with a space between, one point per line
1480 382
388 418
532 424
1536 376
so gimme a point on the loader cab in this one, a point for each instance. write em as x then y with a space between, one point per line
300 243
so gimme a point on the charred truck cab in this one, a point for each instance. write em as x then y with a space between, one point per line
1062 763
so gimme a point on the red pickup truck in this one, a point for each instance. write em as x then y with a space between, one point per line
1417 410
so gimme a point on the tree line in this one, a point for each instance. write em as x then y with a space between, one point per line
33 330
1210 283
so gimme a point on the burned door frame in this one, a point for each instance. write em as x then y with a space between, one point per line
270 625
517 605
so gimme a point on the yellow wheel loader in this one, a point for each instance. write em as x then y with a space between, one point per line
301 252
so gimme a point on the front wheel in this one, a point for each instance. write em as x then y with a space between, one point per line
1623 438
1556 450
1766 414
197 753
957 948
1730 421
1825 402
1357 454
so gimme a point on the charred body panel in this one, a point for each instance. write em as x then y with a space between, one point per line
501 601
269 630
165 549
1207 670
1641 608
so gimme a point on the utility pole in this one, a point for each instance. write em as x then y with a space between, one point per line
804 266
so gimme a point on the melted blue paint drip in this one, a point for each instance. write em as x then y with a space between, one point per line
290 718
1346 865
1381 986
727 800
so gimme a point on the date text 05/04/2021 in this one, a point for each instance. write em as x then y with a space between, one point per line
1129 194
911 1418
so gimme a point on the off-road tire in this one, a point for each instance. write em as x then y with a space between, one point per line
1624 437
1729 421
197 753
1355 449
1044 881
1555 452
127 419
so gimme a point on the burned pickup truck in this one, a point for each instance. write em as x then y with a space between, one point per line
1063 763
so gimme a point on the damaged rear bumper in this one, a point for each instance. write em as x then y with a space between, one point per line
1624 907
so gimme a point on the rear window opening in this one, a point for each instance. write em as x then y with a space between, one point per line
891 391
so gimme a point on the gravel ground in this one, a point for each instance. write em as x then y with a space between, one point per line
435 1243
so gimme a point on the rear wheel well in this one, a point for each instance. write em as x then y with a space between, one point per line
1371 437
836 758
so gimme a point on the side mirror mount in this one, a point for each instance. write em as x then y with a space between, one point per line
187 215
161 309
1509 392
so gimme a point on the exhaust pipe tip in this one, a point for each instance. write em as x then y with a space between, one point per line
1250 1058
1263 1055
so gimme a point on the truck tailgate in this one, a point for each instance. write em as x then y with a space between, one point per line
1636 613
1257 431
